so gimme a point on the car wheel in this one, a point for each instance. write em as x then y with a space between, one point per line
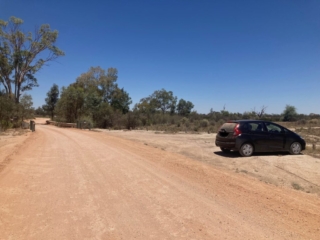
295 148
246 150
225 150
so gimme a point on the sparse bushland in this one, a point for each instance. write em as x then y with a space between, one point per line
93 94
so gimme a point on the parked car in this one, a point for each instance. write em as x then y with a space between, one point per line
249 136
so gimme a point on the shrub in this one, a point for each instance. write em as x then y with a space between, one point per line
296 186
184 121
88 120
204 123
132 121
8 109
301 122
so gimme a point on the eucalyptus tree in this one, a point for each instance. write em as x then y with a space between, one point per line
184 107
23 54
51 100
100 80
162 100
71 103
103 83
95 95
120 100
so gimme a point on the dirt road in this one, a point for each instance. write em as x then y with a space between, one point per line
77 184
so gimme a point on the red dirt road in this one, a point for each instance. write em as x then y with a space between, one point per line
77 184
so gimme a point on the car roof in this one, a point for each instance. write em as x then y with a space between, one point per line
246 120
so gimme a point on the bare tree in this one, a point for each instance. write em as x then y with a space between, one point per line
260 113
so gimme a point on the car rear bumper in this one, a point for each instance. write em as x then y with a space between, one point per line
225 144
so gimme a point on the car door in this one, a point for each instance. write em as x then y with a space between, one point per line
260 136
277 137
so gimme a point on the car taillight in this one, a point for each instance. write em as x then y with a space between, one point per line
236 130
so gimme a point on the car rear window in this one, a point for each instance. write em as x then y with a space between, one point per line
228 127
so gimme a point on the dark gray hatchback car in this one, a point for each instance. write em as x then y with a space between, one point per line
249 136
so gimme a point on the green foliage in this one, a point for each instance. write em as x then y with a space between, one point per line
184 121
184 107
88 120
132 121
95 94
120 100
70 104
289 114
161 100
21 55
249 115
26 110
104 116
51 100
40 112
7 108
155 108
12 114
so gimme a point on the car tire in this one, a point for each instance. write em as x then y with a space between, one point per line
246 150
295 148
225 150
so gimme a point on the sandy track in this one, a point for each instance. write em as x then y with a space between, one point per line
73 184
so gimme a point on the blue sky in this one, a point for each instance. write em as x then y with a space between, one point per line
238 54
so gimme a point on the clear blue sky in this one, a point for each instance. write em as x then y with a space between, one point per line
239 54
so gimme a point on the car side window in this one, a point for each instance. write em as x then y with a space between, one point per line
257 127
252 127
272 128
246 127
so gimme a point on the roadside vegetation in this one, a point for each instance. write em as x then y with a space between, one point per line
22 55
13 114
96 97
